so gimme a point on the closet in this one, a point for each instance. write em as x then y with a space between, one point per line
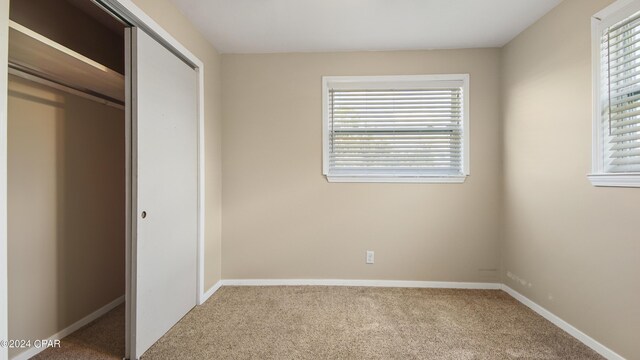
105 175
66 170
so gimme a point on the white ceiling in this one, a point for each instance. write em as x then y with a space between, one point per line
266 26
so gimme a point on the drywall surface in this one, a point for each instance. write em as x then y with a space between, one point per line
576 244
169 17
66 209
282 219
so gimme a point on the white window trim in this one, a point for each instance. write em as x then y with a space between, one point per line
459 179
612 14
437 179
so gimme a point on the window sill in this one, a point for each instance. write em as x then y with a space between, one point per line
615 180
397 179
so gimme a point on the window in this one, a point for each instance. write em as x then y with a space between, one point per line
396 128
616 84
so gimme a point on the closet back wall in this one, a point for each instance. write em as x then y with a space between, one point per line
66 208
282 219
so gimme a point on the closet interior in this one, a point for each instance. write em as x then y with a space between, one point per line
66 173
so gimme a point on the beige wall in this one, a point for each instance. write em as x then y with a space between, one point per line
577 245
66 209
282 219
168 16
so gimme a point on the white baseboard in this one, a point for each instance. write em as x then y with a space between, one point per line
71 328
210 292
369 283
570 329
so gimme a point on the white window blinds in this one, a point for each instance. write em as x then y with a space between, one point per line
620 95
400 129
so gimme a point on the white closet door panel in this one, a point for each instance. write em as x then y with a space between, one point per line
165 179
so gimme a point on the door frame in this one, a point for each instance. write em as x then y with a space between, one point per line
130 13
4 68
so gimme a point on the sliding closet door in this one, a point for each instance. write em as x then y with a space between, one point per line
164 190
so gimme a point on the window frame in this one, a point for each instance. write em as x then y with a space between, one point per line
328 81
602 20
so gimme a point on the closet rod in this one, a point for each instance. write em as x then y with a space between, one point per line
31 75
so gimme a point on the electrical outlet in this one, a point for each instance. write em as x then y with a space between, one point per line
369 257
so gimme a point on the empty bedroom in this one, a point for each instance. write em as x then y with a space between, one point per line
336 179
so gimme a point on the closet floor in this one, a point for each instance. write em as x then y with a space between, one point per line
100 339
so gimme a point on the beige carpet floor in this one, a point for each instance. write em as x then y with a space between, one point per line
355 323
102 339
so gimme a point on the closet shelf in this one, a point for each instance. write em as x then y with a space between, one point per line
35 54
